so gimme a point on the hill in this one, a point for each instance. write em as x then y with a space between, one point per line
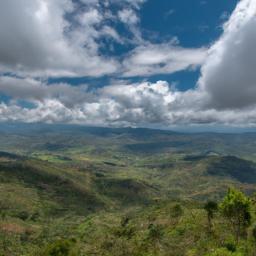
65 182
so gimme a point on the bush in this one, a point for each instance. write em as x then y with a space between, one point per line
23 215
236 208
254 232
223 252
155 232
210 207
61 248
230 246
176 211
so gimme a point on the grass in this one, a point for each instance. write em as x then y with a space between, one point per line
57 185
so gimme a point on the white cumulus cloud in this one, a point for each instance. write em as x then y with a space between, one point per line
38 39
225 93
229 74
151 59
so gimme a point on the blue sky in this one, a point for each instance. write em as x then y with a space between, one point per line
128 62
194 23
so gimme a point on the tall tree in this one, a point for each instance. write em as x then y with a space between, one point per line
211 207
236 208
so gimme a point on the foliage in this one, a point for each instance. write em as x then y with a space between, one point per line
236 208
176 211
223 252
254 232
211 207
61 248
128 192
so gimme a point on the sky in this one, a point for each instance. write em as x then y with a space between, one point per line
139 63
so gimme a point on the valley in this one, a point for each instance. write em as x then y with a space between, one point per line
105 191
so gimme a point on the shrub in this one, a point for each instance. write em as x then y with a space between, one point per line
176 211
236 208
254 232
23 215
223 252
230 246
210 207
61 248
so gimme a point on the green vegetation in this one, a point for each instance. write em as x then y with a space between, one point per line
61 248
210 207
75 191
236 208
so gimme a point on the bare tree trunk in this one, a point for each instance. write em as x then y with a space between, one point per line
209 223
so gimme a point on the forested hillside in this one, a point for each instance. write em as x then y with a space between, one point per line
70 190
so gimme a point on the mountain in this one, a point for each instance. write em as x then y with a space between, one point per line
73 181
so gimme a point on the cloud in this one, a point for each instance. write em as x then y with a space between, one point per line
225 93
128 16
36 91
117 104
166 58
135 3
169 13
140 104
53 38
228 75
46 38
143 102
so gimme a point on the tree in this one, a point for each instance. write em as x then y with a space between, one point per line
236 208
254 232
223 252
61 248
3 210
177 211
210 207
155 234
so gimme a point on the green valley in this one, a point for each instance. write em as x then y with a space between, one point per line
73 190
